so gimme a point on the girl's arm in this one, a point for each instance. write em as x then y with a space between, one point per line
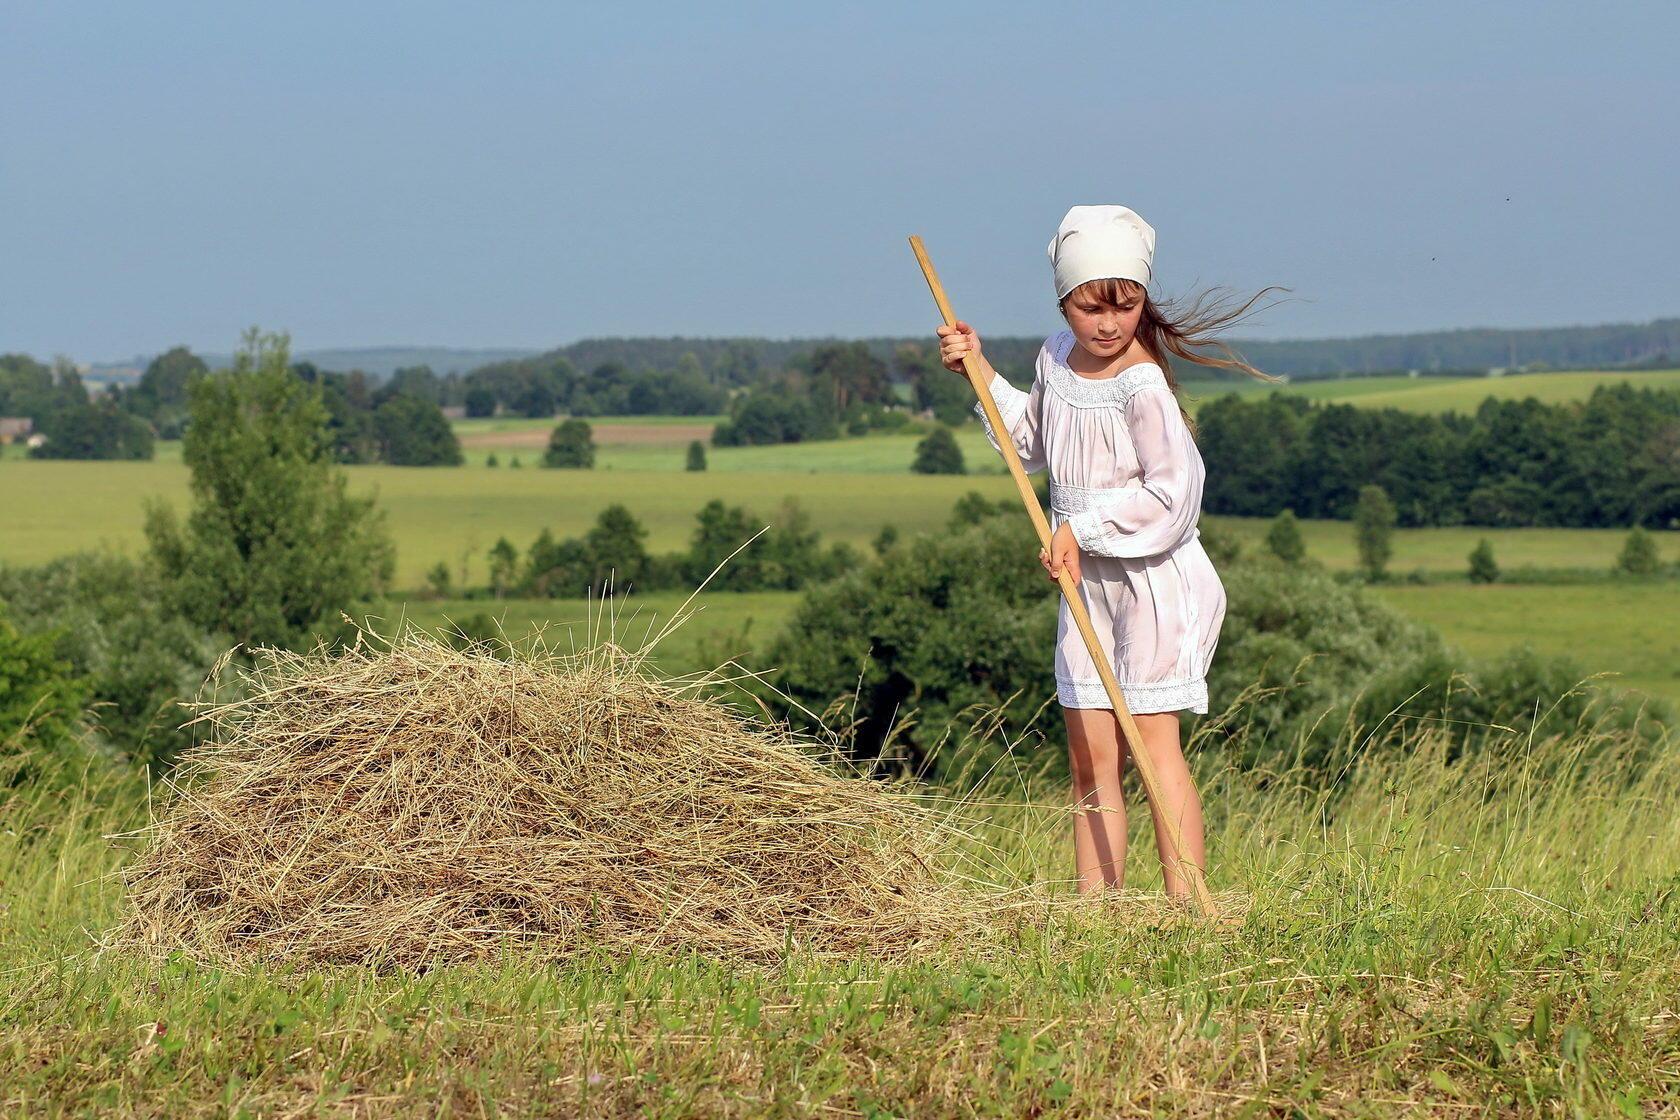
1022 412
1161 511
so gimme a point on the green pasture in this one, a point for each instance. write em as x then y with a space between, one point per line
53 507
1630 629
1626 629
1442 394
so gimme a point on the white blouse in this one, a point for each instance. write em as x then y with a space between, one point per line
1126 476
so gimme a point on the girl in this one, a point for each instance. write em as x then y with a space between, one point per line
1103 417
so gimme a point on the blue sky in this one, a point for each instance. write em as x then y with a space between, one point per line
526 174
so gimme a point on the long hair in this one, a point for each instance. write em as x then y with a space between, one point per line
1166 328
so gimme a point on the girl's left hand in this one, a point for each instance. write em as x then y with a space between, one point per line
1063 553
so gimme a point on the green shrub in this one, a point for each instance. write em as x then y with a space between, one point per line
938 453
1483 568
108 622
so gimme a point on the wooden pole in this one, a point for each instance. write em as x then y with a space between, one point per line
1076 604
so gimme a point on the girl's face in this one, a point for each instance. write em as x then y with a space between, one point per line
1102 327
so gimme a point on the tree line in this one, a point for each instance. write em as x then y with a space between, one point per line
1612 460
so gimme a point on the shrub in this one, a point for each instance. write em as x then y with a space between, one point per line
938 453
1483 569
696 456
109 623
40 695
1639 555
1283 538
571 444
1373 519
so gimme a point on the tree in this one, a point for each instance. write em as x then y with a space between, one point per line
938 453
885 540
973 508
437 580
413 432
571 445
1639 555
696 456
1373 519
618 557
504 566
100 430
1284 538
274 544
161 394
1483 569
721 529
480 402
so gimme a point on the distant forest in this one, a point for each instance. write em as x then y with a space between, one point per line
1651 345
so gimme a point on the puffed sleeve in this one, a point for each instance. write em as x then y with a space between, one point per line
1023 412
1158 512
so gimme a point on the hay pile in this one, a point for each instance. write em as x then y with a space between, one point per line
408 803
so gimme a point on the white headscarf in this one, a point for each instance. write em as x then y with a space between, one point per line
1096 242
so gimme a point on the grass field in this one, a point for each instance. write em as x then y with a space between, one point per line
1443 394
440 513
1494 936
1625 629
1629 629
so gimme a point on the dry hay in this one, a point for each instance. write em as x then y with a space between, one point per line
407 803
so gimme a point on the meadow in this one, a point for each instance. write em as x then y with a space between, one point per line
439 513
1442 394
1494 934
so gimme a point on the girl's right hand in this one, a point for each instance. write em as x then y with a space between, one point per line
954 343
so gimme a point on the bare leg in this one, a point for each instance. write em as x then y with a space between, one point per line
1178 799
1099 819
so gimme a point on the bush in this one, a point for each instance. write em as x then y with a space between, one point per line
1373 520
1283 538
1483 569
108 622
938 453
571 444
413 432
948 622
1639 555
40 695
696 456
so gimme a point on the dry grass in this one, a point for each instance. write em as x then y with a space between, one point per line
403 802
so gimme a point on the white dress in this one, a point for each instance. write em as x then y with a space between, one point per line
1125 474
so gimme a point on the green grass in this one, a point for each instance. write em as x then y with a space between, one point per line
1497 935
56 507
1445 394
1628 629
440 513
1447 550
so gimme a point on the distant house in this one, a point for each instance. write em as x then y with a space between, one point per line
13 428
455 411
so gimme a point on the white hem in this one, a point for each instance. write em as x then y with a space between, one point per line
1141 699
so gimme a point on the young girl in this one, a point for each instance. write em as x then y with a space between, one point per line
1103 417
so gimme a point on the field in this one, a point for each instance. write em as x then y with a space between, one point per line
1622 629
1477 937
442 513
1444 394
1628 629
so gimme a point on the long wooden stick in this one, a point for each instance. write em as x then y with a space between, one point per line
1076 604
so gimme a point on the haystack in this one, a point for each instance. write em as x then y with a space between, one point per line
408 803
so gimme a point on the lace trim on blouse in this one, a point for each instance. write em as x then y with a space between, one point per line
1085 392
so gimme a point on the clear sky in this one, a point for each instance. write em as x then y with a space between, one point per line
525 174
